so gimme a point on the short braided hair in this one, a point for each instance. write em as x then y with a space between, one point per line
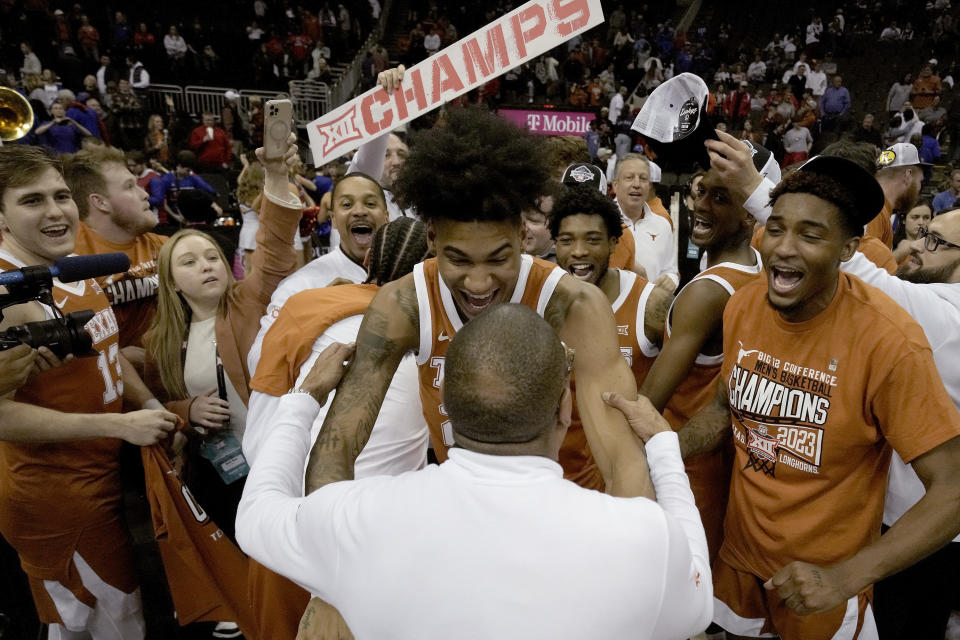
397 246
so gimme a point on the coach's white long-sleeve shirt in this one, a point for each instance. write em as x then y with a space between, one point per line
481 546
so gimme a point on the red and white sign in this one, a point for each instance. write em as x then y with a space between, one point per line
518 36
551 123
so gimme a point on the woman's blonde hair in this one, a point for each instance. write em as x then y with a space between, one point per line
250 183
165 339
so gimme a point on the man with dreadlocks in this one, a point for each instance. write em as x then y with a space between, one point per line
307 324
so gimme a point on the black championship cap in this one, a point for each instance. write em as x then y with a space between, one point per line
583 173
867 193
675 124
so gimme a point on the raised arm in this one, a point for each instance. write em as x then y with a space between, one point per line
697 315
584 320
390 329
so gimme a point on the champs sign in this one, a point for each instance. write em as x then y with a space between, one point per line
515 38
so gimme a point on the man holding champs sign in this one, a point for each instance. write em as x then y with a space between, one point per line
514 38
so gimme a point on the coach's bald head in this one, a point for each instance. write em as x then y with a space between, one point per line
505 384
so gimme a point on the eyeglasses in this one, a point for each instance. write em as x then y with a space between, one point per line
932 242
570 354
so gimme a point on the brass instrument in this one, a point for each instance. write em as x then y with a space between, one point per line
16 115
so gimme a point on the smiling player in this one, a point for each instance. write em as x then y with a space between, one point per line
822 377
586 227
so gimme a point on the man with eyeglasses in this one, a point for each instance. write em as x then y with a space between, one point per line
917 601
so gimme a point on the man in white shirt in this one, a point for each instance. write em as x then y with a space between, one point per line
616 104
816 80
656 253
419 555
431 42
917 601
757 70
359 209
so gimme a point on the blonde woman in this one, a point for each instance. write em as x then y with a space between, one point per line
249 196
204 326
156 142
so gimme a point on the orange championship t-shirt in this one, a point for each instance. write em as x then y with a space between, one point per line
815 408
133 295
629 310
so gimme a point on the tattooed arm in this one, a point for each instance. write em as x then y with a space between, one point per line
709 427
385 336
582 316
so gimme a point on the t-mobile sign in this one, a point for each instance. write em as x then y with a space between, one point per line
551 123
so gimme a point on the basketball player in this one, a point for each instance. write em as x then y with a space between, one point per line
115 215
586 226
61 503
490 172
684 377
822 375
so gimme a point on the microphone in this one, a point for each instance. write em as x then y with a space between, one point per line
74 268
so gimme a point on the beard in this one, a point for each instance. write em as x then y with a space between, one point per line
932 275
907 200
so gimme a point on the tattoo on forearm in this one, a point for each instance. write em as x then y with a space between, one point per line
355 408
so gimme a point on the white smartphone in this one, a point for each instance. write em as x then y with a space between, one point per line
277 121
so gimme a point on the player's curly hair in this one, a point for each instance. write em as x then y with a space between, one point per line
585 199
477 167
397 246
826 188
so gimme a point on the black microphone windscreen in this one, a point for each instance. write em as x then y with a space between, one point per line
74 268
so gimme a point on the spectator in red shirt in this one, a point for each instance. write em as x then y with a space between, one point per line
89 39
737 106
211 144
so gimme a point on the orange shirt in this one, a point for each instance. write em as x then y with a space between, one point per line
628 309
206 572
923 91
133 294
880 226
815 407
49 492
624 253
301 320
